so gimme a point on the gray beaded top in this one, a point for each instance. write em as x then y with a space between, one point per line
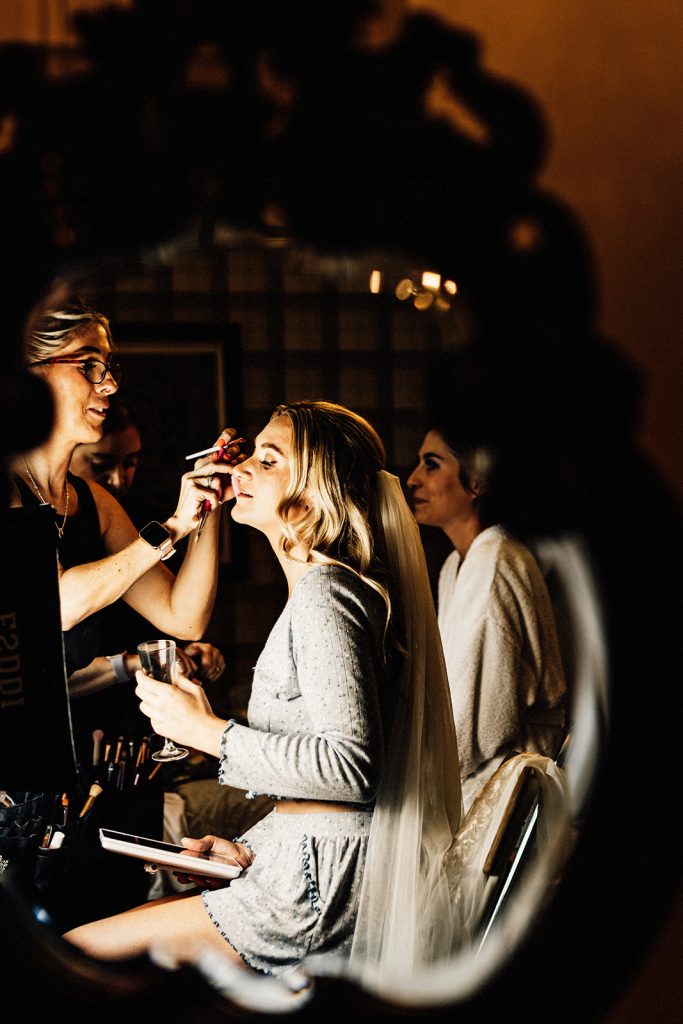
315 721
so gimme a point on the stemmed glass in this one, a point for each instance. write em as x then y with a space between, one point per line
158 660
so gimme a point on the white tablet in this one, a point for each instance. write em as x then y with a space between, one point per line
167 855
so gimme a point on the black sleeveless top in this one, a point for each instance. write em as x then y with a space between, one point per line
80 543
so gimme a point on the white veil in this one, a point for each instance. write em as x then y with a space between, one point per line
405 917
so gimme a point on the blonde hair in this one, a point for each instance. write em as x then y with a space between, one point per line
52 329
330 504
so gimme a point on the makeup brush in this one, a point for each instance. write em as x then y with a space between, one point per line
229 452
216 448
65 808
122 771
97 737
142 755
119 745
93 794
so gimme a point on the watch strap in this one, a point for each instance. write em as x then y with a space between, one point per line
119 666
165 547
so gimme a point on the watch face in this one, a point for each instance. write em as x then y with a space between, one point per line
155 534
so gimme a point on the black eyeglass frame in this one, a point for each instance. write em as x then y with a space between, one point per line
113 369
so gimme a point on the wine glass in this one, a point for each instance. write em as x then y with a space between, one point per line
158 660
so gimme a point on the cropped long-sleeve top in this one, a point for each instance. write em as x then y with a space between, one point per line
316 728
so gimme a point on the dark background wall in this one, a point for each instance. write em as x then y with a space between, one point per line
610 81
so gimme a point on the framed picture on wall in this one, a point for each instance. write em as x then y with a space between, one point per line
182 384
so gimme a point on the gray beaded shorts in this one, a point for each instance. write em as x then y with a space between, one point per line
300 895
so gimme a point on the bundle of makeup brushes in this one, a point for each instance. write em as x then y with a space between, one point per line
122 763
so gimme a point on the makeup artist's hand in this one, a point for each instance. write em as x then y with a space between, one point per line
237 852
182 712
231 455
218 465
186 663
208 662
209 481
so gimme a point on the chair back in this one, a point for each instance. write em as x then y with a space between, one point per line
520 813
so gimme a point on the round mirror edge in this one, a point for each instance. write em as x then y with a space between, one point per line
581 763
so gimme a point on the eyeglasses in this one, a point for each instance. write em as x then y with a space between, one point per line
94 370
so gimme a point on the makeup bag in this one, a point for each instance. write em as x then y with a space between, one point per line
26 867
78 881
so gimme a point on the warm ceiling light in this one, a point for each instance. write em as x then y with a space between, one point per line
404 289
423 300
431 280
375 281
450 287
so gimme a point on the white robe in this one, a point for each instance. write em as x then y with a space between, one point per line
502 656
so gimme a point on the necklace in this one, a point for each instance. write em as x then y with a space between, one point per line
60 529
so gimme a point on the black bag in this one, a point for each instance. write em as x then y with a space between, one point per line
36 744
78 881
24 826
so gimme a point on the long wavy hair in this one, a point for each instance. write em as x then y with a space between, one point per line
330 505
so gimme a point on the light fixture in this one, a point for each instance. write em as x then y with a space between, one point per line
431 290
431 280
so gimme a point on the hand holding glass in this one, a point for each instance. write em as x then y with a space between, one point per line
158 660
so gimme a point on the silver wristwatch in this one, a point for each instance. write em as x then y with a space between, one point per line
157 536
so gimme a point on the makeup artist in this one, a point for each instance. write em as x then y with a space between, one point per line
95 690
101 555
